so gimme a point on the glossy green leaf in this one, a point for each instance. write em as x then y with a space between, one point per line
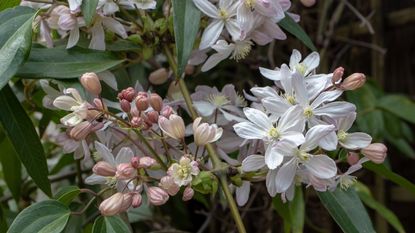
61 63
295 29
186 19
43 217
399 105
367 198
347 210
67 194
4 4
381 170
110 224
11 166
89 8
15 40
24 138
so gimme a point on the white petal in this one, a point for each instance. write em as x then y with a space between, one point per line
285 175
242 193
314 135
95 179
108 78
263 92
207 8
329 142
65 102
104 153
248 130
97 37
232 27
124 155
326 96
322 166
253 163
295 58
258 118
276 106
213 60
270 182
73 38
211 34
114 26
346 123
270 74
296 138
335 110
204 108
292 120
356 141
311 61
299 88
272 157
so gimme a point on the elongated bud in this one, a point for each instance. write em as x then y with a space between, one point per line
112 205
98 104
337 75
157 196
90 82
152 117
376 152
125 171
188 193
103 168
205 133
67 22
137 200
159 76
173 126
308 3
156 102
146 162
125 105
126 202
353 82
81 130
167 183
166 111
352 158
136 122
135 162
141 102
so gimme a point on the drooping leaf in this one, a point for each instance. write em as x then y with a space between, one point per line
367 198
347 210
15 40
11 166
399 105
43 217
67 194
186 24
4 4
24 138
381 170
61 63
292 27
89 8
110 224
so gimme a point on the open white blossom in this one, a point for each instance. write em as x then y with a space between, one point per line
183 171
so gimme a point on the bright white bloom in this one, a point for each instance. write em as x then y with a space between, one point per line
183 171
346 179
222 16
242 193
351 141
205 133
75 104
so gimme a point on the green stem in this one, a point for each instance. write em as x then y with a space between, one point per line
150 148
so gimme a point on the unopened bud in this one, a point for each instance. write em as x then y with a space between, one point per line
126 202
135 162
92 114
152 117
308 3
157 196
172 126
90 82
189 70
103 168
167 183
137 200
112 205
353 82
337 75
146 162
125 105
158 76
81 130
352 158
141 102
188 193
98 104
156 102
127 94
125 171
136 122
166 111
376 152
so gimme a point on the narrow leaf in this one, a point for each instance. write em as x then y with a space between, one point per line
186 24
292 27
110 224
24 138
11 166
89 8
347 210
15 40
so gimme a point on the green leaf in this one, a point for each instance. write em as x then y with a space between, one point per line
67 194
4 4
295 29
3 221
24 138
186 18
11 166
15 40
381 170
399 105
44 217
347 210
89 8
61 63
367 198
110 224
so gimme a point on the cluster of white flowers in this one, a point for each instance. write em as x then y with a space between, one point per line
235 25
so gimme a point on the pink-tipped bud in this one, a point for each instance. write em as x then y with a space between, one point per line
352 158
173 126
97 126
141 102
337 75
125 171
90 82
126 202
125 105
81 130
98 104
156 102
136 122
135 162
308 3
146 162
157 196
166 111
152 117
137 200
67 22
188 193
103 168
127 94
376 152
167 183
159 76
353 82
112 205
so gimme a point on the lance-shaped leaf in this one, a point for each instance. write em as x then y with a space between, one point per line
186 24
292 27
89 8
110 224
11 166
15 40
24 138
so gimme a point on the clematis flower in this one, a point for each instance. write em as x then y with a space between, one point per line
351 141
222 16
75 104
98 34
205 133
183 171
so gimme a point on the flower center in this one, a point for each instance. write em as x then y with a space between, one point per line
250 4
341 135
223 14
183 171
302 155
290 99
308 112
273 133
346 181
218 100
111 181
242 49
301 68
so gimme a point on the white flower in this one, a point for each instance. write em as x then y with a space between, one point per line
108 7
98 34
75 104
140 4
351 141
205 133
242 193
346 179
75 5
173 126
183 171
222 16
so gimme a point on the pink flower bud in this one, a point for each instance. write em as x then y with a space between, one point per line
337 75
125 171
159 76
376 152
167 183
146 162
67 22
157 196
112 205
103 168
97 126
156 102
141 102
308 3
90 82
137 200
166 111
92 115
353 82
81 130
152 117
98 104
136 122
352 158
125 105
188 193
127 94
189 70
126 202
135 162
